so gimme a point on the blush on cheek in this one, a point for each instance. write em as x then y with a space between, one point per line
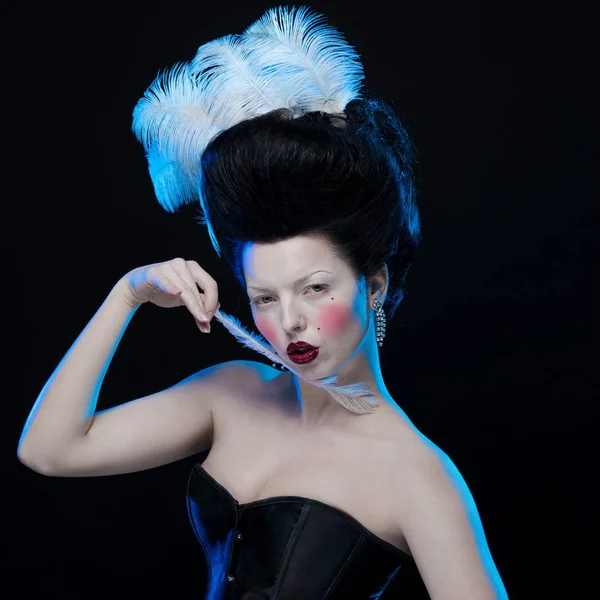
265 328
334 318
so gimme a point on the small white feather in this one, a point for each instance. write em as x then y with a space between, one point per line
356 397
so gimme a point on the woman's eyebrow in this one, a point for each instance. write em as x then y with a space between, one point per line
297 282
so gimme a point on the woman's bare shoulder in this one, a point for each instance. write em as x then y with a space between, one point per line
248 371
246 383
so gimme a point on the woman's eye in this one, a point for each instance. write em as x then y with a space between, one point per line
316 285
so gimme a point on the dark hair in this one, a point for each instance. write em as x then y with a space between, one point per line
351 180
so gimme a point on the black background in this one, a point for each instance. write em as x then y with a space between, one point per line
490 353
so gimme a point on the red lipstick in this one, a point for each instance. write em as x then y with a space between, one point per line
301 352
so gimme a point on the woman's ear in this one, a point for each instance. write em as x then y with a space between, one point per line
378 285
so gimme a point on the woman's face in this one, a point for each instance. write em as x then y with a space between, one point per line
300 290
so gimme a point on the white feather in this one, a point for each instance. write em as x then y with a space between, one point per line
172 121
233 88
312 58
356 397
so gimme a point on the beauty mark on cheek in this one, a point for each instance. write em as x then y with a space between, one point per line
334 318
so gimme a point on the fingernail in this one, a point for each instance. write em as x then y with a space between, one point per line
210 314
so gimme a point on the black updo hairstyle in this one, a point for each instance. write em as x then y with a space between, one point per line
352 180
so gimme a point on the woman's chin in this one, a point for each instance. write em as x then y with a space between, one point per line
313 371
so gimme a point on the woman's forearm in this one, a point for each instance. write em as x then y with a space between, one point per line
65 408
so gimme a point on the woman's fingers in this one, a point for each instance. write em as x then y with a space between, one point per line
175 283
208 285
190 297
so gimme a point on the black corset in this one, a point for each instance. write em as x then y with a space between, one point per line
291 548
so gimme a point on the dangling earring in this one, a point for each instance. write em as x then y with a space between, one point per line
379 321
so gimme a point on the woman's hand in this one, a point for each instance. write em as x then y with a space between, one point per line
174 283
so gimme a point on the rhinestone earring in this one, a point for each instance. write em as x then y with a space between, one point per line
380 322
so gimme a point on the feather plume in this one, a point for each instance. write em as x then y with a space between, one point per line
289 58
309 56
172 121
356 397
234 85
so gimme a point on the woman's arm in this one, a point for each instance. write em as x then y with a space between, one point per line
64 410
444 531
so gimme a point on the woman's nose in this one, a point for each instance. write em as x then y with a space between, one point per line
292 321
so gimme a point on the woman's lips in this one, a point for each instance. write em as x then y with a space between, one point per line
299 345
306 357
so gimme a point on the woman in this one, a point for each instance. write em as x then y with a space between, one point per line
317 485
